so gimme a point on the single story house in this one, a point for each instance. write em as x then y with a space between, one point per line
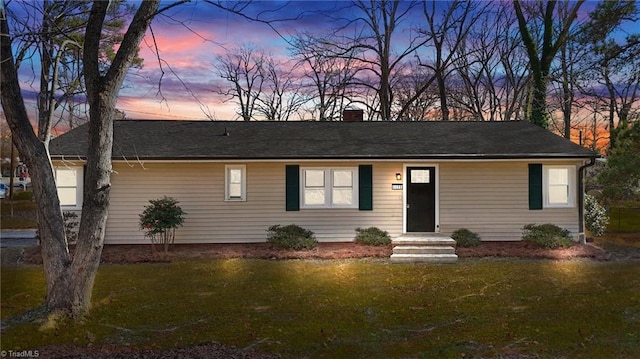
235 179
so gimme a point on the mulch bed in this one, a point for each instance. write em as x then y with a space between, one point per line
142 253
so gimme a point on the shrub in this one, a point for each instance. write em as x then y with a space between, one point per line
595 216
547 235
291 237
372 236
70 224
465 238
160 220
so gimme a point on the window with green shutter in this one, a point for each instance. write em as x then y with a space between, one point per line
535 186
292 180
365 182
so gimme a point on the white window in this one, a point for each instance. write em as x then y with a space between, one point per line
69 182
329 188
235 183
559 186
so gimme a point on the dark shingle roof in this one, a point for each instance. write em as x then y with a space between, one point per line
151 139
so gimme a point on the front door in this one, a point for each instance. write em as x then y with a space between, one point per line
421 199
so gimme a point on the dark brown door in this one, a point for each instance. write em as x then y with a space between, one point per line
421 199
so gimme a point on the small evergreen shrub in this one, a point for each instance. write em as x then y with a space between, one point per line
160 220
465 238
372 236
291 237
595 216
547 235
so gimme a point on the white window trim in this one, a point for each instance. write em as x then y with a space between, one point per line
328 187
79 187
243 185
572 186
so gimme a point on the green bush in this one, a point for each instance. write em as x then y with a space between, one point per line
465 238
291 237
372 236
160 219
547 235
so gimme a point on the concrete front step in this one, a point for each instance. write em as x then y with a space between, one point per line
424 258
405 240
424 250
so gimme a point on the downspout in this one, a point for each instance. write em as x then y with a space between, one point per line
582 239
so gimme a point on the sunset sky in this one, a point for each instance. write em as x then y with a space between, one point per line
190 36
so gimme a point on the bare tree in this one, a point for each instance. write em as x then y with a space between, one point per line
615 64
281 96
410 94
243 69
69 278
55 30
564 76
542 51
327 76
447 31
378 25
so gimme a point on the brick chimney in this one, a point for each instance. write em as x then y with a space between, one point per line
352 115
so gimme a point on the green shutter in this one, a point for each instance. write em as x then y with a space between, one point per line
292 180
365 190
535 186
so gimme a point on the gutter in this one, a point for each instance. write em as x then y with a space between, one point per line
582 239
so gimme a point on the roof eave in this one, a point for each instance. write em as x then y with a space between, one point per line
343 157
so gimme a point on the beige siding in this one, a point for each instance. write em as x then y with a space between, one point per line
492 199
200 189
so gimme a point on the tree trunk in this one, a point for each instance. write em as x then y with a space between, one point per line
33 152
539 114
70 282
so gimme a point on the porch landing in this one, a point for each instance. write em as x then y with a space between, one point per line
423 248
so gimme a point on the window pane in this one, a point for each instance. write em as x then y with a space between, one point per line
558 176
342 196
314 178
342 179
420 176
559 194
66 177
67 196
314 197
235 190
235 175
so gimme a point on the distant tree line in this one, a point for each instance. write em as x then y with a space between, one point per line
462 61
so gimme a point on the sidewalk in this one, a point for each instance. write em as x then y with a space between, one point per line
18 238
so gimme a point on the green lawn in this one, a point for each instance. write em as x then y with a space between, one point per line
351 308
18 214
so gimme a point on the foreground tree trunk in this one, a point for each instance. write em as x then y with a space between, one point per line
70 281
34 153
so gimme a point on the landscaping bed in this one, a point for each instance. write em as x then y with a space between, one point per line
143 253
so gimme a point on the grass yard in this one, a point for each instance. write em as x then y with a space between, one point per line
350 308
19 214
